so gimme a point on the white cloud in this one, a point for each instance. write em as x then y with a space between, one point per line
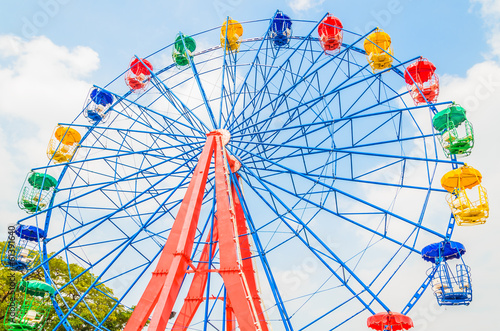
477 92
303 5
50 75
488 7
490 11
42 84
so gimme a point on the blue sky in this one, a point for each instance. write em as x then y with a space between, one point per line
51 51
451 33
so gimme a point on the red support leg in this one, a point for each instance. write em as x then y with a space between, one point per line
195 295
172 263
230 325
230 269
246 254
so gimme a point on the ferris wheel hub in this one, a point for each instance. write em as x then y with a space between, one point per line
226 136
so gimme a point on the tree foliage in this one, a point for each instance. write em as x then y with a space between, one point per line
97 303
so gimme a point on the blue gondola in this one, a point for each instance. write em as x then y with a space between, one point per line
97 105
281 29
21 251
451 286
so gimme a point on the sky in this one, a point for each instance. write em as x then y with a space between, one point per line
52 51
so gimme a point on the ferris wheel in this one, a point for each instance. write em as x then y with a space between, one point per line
283 181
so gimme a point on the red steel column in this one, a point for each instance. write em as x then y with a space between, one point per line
246 254
230 322
198 285
167 278
234 279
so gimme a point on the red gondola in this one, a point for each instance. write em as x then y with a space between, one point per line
422 81
139 74
389 321
330 33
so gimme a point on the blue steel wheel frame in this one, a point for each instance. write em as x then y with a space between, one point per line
339 181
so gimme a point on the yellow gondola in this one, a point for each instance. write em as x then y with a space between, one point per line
63 144
467 206
231 31
378 50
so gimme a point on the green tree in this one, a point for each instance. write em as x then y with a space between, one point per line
98 301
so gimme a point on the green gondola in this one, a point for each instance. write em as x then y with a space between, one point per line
183 48
29 306
36 192
457 135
